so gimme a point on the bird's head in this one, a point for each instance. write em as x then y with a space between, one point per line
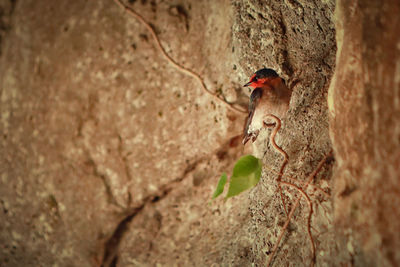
262 77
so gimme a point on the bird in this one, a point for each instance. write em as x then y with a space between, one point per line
270 96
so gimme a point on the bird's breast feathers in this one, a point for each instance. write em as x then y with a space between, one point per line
269 103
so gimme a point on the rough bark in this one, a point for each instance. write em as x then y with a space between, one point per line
109 155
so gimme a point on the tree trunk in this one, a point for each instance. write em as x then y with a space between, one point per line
110 154
364 104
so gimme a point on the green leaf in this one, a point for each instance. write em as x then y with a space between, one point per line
246 174
220 186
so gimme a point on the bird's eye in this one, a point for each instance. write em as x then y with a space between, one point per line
254 79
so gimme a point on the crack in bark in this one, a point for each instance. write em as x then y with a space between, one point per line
286 64
111 247
110 257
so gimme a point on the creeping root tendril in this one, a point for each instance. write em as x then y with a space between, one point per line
174 63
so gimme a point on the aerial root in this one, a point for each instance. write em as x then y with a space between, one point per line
275 130
296 204
173 62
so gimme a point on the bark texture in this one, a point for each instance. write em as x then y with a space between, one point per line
109 155
364 103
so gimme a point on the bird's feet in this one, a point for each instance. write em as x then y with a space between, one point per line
254 136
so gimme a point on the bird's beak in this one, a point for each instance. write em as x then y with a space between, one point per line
247 84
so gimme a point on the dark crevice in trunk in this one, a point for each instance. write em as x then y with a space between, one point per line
110 257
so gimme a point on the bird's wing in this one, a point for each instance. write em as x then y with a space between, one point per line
254 100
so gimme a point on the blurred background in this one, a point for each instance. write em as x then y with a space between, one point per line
110 155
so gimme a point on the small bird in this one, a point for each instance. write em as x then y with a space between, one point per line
270 96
